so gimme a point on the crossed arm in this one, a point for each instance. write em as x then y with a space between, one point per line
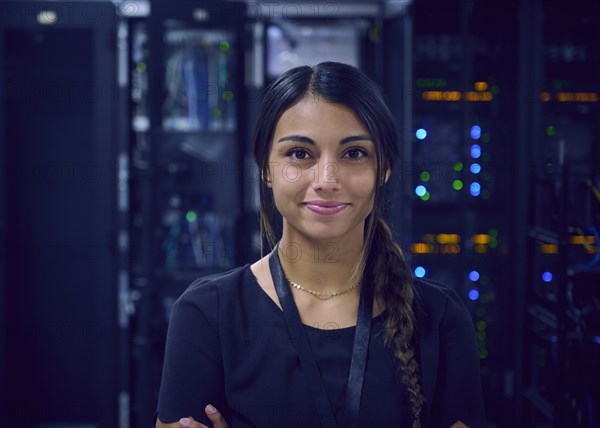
219 421
215 417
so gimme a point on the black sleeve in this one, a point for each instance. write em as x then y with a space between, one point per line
192 374
458 394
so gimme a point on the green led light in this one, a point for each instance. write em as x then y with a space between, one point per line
485 195
425 176
485 137
426 196
481 335
458 166
495 90
457 184
191 216
493 233
558 84
493 243
483 354
224 46
216 112
227 95
484 279
141 67
374 34
549 168
481 325
550 130
420 83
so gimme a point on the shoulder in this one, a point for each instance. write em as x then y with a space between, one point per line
205 292
223 280
438 303
433 291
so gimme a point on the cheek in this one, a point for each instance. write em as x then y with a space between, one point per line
281 170
365 192
291 175
361 183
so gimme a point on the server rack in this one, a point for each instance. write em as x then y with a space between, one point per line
398 80
560 210
332 32
188 133
58 197
462 138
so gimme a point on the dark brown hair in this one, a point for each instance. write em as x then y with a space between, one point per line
385 267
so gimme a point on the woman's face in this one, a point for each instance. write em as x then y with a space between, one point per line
322 168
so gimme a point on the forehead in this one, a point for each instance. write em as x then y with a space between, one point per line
313 112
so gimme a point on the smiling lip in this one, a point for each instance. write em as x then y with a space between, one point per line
325 207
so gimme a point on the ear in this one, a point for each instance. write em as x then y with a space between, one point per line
266 178
388 173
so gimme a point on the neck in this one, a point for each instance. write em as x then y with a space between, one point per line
321 265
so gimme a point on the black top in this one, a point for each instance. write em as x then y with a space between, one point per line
227 345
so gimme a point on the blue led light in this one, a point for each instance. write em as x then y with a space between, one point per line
475 151
547 277
475 168
475 188
420 190
473 294
596 339
421 134
419 271
475 132
474 275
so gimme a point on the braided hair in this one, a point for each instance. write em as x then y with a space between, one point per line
385 267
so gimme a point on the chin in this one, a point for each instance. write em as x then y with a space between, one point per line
325 232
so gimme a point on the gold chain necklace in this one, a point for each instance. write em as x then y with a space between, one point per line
321 295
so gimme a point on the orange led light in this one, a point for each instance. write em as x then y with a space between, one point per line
448 238
478 96
450 249
482 238
549 249
481 249
577 97
579 239
441 96
422 248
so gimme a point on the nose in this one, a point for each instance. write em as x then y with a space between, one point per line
326 176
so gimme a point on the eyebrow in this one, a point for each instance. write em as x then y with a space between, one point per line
304 139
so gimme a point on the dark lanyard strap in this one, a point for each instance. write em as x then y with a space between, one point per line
307 360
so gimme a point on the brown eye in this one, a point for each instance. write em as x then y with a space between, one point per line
356 153
298 154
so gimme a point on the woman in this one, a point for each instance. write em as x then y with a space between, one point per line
329 329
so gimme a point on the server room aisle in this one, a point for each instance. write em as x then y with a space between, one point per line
127 171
